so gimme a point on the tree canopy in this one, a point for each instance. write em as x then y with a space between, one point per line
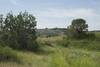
18 31
78 28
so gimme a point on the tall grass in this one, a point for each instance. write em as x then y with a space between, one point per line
58 59
8 54
83 62
83 58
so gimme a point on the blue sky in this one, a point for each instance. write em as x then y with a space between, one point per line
56 13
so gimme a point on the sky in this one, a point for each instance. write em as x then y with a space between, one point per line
56 13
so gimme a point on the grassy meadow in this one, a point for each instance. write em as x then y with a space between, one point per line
57 51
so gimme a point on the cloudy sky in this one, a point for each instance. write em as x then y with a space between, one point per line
56 13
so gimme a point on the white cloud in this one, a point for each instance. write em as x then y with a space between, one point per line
57 17
60 13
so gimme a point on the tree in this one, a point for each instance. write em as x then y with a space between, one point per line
19 31
78 28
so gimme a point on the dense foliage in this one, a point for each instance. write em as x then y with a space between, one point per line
78 28
18 31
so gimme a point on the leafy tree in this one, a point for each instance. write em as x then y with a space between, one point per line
78 28
19 31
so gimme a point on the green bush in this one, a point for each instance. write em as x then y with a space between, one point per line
19 31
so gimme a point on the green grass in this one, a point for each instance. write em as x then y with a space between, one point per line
71 43
78 53
8 54
84 58
57 57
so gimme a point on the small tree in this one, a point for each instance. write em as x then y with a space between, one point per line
19 31
78 28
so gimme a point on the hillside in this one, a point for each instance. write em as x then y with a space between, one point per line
51 31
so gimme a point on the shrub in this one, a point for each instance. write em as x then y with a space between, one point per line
18 31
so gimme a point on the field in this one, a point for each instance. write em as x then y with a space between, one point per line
57 52
57 57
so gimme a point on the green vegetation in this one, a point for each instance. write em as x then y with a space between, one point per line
57 57
18 31
78 29
7 53
19 43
